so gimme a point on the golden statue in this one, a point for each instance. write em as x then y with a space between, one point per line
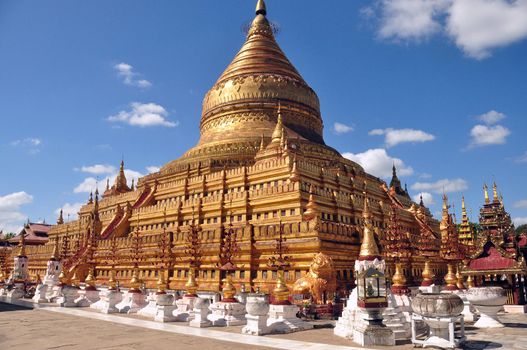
320 279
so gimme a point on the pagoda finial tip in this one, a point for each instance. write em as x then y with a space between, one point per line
260 8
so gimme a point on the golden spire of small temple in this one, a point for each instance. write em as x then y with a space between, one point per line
260 8
368 247
90 200
22 244
55 255
495 196
107 184
463 208
486 193
60 220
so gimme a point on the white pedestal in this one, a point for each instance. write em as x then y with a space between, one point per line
40 293
469 312
87 297
227 314
430 289
17 292
151 306
442 331
164 308
184 309
201 311
372 335
488 317
109 301
256 325
68 296
282 319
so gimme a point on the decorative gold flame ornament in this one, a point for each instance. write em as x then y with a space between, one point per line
135 282
428 275
191 285
229 291
450 278
281 292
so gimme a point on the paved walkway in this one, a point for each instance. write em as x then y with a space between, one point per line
82 328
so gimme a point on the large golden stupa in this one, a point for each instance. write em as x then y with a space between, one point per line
260 169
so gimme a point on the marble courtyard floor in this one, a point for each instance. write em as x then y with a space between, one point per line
82 328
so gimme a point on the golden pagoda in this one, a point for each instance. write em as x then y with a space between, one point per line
466 231
261 164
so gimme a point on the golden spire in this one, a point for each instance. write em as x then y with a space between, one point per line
368 247
262 145
191 285
311 207
495 196
107 184
486 192
278 130
22 244
60 220
55 256
463 208
260 8
294 172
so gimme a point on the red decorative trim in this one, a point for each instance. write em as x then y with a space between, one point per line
281 302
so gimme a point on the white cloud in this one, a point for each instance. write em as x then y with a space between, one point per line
30 143
443 185
90 184
479 26
519 221
152 169
521 204
69 209
97 169
411 19
491 117
483 135
428 198
476 26
393 137
11 218
425 176
377 162
143 115
340 128
126 71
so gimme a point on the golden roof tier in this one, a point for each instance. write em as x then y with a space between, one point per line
241 108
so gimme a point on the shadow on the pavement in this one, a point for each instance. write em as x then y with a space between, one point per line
516 325
480 344
11 307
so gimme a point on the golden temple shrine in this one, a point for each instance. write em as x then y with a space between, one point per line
261 170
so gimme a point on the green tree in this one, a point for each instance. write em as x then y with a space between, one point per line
521 229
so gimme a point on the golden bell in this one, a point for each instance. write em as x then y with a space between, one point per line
191 285
75 280
229 291
90 280
470 282
427 274
135 282
161 284
281 292
450 278
112 282
399 280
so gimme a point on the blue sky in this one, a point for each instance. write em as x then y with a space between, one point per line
437 86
